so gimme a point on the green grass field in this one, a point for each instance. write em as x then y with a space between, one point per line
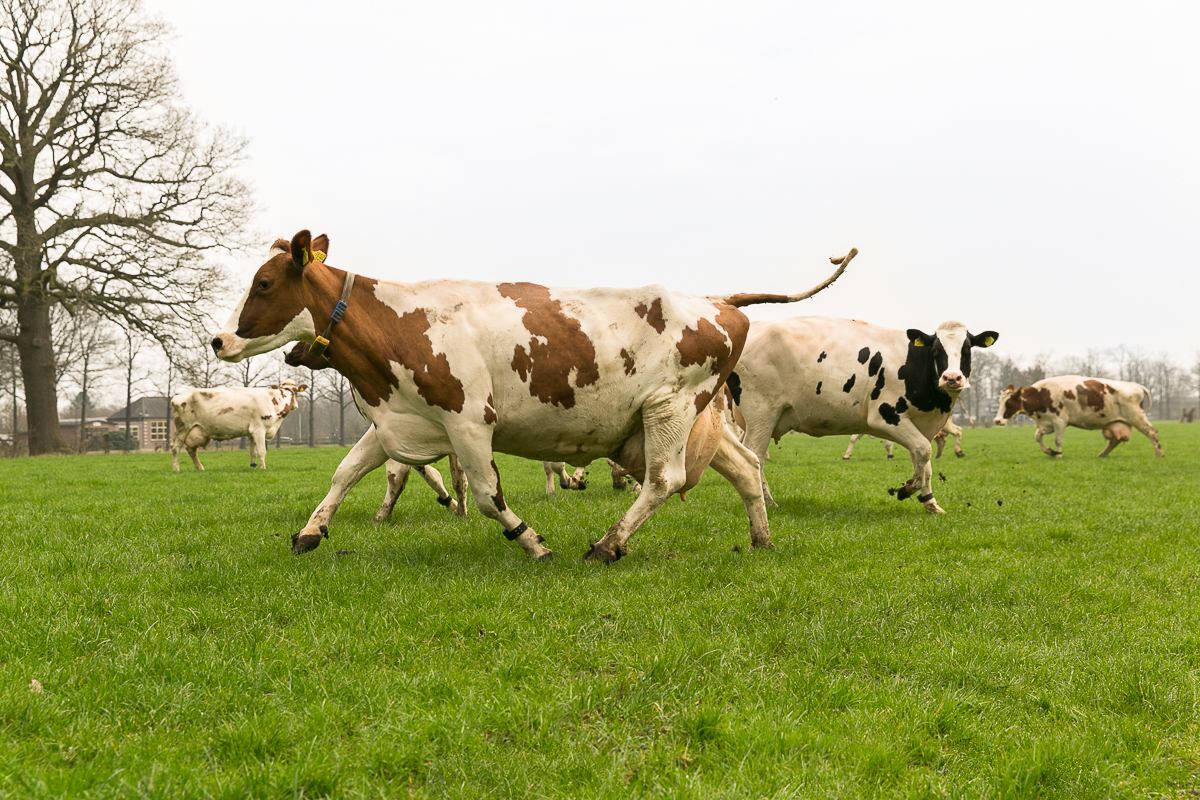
1040 640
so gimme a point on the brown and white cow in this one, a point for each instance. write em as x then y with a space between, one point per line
830 377
473 368
204 415
1078 402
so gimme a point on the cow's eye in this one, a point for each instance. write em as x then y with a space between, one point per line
264 284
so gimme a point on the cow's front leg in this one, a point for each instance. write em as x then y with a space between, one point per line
397 479
484 479
941 443
1150 432
365 456
737 464
1038 438
1060 427
921 453
958 451
550 467
258 453
667 424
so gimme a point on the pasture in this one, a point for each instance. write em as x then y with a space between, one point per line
1040 640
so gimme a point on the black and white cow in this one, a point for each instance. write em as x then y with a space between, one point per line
830 377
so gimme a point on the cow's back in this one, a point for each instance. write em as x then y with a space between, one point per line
1089 403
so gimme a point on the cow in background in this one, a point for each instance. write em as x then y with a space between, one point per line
829 377
548 374
204 415
1189 415
1078 402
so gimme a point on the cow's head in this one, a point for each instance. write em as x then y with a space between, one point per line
948 353
1010 405
275 309
292 393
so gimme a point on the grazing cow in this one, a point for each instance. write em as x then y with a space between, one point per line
829 377
204 415
1078 402
473 368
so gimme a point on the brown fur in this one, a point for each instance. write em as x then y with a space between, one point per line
549 366
653 315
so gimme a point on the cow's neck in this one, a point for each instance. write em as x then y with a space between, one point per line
920 377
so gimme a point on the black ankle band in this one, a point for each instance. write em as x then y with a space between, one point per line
445 500
515 532
925 498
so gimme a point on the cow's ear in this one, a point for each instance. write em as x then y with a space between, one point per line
1010 388
303 386
919 339
274 386
302 249
320 247
985 339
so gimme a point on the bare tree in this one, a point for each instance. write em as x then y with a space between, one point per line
111 192
95 343
134 343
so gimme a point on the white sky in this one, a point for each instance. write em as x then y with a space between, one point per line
1027 167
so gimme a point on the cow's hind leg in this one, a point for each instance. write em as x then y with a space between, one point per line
941 443
550 467
459 480
854 437
434 480
667 423
1150 433
737 464
365 456
397 479
193 441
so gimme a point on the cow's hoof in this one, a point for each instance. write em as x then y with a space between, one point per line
845 458
302 543
253 465
546 556
604 552
933 508
890 457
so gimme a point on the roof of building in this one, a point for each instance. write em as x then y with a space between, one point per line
143 408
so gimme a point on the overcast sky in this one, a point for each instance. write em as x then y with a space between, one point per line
1024 167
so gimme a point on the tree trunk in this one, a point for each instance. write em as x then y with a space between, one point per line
312 415
81 431
35 346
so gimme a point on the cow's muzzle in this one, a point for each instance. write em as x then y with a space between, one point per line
217 344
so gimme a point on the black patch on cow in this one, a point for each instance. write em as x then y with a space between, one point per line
888 412
734 382
901 405
920 373
878 386
819 386
863 355
821 357
849 384
876 363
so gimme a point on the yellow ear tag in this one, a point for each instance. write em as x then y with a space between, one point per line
317 348
918 342
988 341
318 256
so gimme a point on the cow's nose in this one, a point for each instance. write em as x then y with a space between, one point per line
216 345
952 378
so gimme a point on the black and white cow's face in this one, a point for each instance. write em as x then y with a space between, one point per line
947 353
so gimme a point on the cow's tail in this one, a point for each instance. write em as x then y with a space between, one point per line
1145 397
739 300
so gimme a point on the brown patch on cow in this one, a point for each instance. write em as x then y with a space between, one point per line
652 314
629 367
702 400
1091 393
498 497
266 416
489 411
1067 393
567 348
705 342
1036 401
1012 406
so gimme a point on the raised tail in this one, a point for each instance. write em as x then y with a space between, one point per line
739 300
1146 397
